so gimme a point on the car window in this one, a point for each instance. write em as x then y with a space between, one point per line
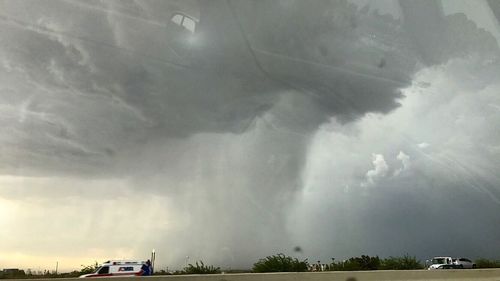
189 24
184 21
103 270
177 19
439 261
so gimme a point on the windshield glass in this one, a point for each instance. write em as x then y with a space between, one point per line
103 270
439 261
226 131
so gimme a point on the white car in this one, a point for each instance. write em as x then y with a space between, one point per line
464 263
442 263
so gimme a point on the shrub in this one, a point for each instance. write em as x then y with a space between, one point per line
201 268
364 262
486 263
280 263
401 263
373 263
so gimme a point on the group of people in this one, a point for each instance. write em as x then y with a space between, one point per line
319 267
146 269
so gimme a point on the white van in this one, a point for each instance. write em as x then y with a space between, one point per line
118 268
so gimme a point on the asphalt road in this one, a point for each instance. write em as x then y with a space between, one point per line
380 275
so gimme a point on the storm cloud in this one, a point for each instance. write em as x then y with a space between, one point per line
221 144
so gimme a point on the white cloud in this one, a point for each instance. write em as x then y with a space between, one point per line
405 161
423 145
380 169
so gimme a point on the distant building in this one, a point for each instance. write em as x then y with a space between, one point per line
12 273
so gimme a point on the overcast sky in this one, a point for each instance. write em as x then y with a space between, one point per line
343 127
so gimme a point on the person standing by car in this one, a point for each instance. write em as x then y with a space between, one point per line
146 269
150 265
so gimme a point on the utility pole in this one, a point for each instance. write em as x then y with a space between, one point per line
153 257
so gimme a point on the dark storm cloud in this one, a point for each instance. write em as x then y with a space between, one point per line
97 83
495 8
109 81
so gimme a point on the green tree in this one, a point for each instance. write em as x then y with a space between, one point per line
86 269
280 263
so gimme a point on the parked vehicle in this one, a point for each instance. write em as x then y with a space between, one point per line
117 268
450 263
441 263
464 263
